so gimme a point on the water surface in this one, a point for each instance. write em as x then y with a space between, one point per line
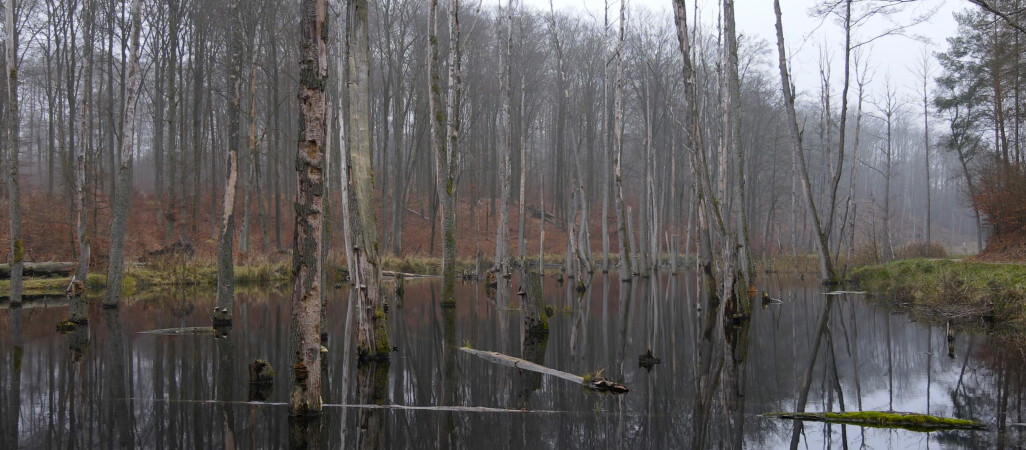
107 385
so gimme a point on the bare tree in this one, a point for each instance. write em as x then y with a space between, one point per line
225 239
372 338
14 148
81 215
123 193
924 71
305 398
826 264
444 139
621 214
505 170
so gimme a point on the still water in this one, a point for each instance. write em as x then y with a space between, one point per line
109 385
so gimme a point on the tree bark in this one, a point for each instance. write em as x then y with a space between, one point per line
621 219
444 140
826 265
223 309
372 336
505 171
123 192
305 396
13 148
81 217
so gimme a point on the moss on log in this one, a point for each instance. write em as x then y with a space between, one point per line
885 419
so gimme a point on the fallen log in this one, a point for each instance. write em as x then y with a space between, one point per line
41 269
390 273
884 419
595 383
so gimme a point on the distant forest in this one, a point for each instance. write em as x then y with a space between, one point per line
558 116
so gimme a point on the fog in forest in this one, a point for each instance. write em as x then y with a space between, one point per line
433 218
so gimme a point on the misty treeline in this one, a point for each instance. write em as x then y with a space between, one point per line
571 117
981 97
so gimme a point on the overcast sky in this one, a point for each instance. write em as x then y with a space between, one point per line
806 35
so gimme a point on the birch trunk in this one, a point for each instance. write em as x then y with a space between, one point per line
81 216
706 203
621 219
123 192
733 113
305 395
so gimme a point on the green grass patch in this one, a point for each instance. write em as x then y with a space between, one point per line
140 279
954 288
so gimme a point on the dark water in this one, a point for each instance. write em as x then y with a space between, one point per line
108 386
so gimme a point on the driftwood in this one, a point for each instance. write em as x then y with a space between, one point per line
41 269
187 331
885 419
389 273
594 383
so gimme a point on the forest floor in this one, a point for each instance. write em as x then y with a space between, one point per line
964 293
1006 248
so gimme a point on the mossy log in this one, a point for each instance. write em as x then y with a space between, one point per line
885 419
41 269
593 383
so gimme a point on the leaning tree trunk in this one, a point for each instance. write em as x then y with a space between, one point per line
305 397
13 143
372 336
706 203
123 193
222 315
826 265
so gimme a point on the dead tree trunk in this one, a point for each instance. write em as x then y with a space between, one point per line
826 265
372 337
505 171
621 219
444 140
81 217
733 113
707 205
222 315
305 397
13 146
123 193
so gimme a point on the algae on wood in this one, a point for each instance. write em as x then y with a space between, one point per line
886 419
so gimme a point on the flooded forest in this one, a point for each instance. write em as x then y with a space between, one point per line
512 224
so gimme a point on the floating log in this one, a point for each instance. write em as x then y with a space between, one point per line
885 419
186 331
595 383
390 273
41 269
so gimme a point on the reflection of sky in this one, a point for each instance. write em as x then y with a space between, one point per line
607 329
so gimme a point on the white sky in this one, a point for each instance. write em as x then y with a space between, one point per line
893 56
